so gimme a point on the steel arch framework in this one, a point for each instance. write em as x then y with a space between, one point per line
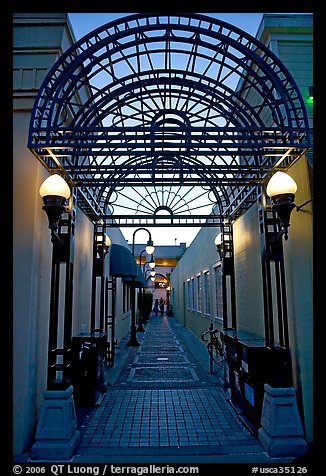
181 114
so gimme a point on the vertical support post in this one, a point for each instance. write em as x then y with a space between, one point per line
133 341
110 286
227 258
98 276
59 356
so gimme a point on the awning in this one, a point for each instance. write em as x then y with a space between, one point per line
122 262
139 281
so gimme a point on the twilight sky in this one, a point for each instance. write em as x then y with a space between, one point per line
84 23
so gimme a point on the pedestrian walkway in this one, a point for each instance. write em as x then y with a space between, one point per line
163 405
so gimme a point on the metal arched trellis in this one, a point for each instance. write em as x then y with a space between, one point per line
189 113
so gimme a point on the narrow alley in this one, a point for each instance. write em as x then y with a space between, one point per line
163 405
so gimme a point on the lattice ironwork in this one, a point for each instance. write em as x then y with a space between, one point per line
176 113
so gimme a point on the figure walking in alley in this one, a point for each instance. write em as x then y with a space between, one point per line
161 306
155 308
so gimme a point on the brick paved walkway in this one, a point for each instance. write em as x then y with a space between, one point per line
165 406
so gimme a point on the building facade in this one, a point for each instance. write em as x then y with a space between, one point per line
197 280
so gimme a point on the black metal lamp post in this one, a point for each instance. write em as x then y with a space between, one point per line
55 193
151 264
133 341
274 223
140 327
57 431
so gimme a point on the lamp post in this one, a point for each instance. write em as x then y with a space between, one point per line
55 193
274 223
57 426
151 264
133 341
140 327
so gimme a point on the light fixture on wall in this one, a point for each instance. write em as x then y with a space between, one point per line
103 243
281 189
219 243
310 97
55 193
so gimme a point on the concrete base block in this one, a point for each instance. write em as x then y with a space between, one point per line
281 432
57 435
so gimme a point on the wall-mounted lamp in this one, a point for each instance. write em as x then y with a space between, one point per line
310 97
281 189
103 243
55 193
218 243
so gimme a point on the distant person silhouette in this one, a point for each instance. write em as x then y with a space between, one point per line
161 306
155 308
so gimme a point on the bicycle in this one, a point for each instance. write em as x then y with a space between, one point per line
214 345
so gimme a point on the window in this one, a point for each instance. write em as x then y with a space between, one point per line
207 294
126 297
218 291
198 293
192 293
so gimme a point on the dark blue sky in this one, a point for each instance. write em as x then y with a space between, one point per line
84 23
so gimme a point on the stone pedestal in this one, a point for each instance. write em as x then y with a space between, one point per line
57 435
281 432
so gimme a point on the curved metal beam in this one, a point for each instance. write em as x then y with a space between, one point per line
151 100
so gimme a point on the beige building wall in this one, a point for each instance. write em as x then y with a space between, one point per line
33 54
290 37
38 40
248 273
298 257
201 256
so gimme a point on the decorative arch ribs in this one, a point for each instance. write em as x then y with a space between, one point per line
187 112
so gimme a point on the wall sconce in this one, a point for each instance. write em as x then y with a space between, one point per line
103 243
281 189
152 263
55 192
310 97
218 243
